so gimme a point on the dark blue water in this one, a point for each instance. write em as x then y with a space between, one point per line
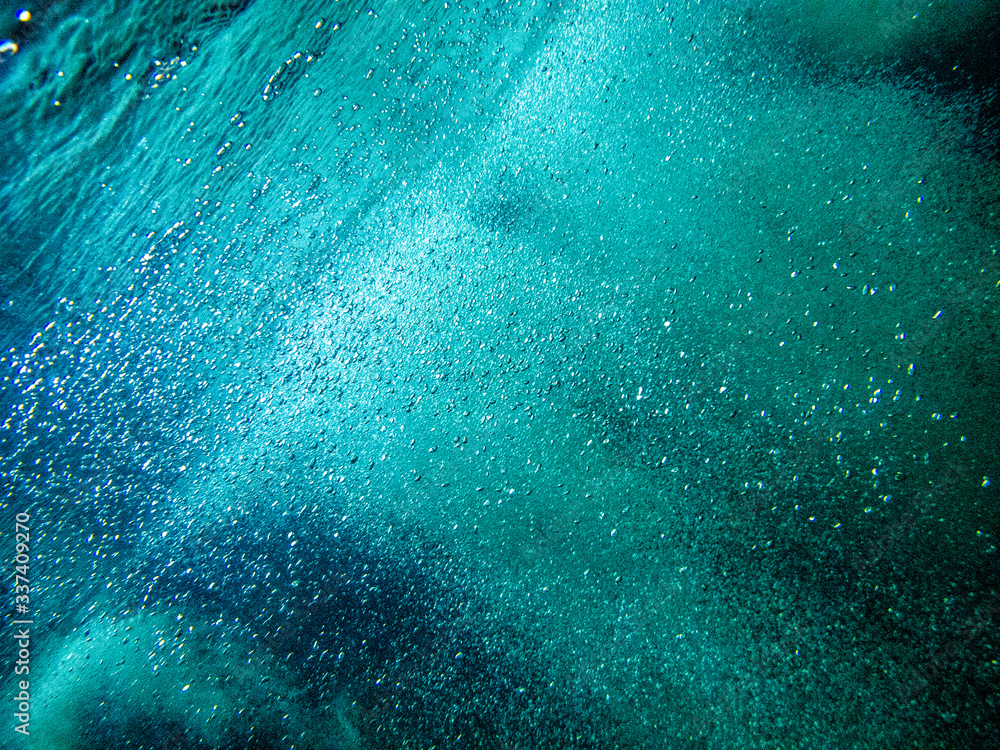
484 375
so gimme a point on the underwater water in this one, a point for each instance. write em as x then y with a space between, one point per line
493 374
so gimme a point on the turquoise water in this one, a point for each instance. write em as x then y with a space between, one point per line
503 375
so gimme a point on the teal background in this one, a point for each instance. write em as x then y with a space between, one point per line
494 375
